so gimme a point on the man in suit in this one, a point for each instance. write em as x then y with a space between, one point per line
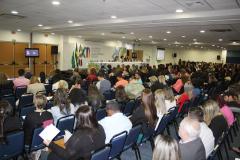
191 145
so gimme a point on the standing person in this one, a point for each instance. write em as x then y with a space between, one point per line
21 80
166 148
89 136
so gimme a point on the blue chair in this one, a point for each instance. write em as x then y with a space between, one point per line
109 95
117 144
24 111
49 104
100 113
131 141
19 91
4 92
128 109
101 154
14 147
48 88
172 119
37 141
66 123
25 100
11 99
184 109
162 124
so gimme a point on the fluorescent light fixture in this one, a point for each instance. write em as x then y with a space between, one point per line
183 36
40 25
113 17
56 3
123 37
213 45
19 30
139 39
164 39
52 33
132 33
168 32
14 12
179 11
70 21
220 39
150 36
202 31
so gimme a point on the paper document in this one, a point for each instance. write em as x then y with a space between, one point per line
67 136
49 132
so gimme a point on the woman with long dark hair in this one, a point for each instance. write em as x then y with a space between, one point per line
88 137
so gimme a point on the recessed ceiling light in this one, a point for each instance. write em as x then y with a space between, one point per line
168 32
139 39
179 11
194 40
40 25
14 12
202 31
19 30
113 17
123 37
70 21
56 3
220 39
132 33
52 33
213 45
183 36
102 34
164 39
150 36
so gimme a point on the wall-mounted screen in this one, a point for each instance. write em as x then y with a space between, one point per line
160 54
31 52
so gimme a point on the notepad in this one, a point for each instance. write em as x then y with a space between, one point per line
49 132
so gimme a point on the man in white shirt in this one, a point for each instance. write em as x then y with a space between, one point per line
115 122
206 134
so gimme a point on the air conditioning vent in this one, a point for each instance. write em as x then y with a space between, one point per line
220 30
118 33
11 16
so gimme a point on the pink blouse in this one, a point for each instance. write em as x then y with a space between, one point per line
228 114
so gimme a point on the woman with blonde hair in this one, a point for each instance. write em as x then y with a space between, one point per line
35 86
170 100
166 148
214 118
160 103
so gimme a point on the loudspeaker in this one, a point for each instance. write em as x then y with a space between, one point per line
54 49
218 57
174 55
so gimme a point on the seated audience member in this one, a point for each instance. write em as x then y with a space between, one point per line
42 77
28 73
38 118
226 111
214 119
177 86
231 99
8 122
146 113
95 103
103 84
91 76
133 89
138 78
166 148
191 145
62 106
186 96
170 100
206 133
121 95
115 122
93 93
196 87
21 80
120 80
89 136
35 86
77 95
160 104
60 84
5 84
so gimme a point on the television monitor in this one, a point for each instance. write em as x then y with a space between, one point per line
31 52
160 54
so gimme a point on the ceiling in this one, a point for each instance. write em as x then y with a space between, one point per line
145 18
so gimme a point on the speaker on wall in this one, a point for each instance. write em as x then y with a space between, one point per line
218 57
54 49
174 55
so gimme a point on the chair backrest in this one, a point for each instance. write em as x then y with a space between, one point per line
173 113
109 95
66 123
184 109
214 153
4 92
162 124
25 100
20 90
101 113
37 141
101 154
128 109
11 99
26 110
14 146
132 136
117 143
48 88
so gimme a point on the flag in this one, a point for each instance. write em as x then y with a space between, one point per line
76 55
74 58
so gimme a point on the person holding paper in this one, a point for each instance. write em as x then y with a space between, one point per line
88 137
38 118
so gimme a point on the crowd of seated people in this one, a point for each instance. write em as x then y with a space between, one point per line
158 89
